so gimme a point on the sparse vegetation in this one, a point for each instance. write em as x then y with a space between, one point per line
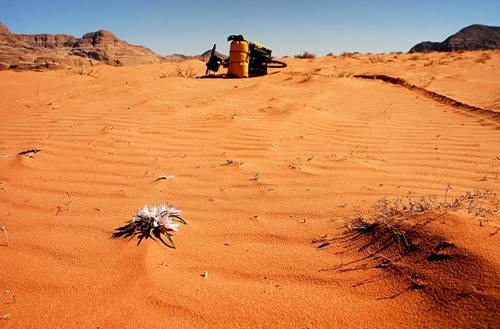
349 54
305 55
180 72
376 59
399 239
345 74
396 224
396 238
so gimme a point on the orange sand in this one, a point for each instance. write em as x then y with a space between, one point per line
321 143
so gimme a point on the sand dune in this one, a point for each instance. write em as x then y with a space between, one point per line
262 168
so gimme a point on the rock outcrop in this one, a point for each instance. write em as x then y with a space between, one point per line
46 40
474 37
48 51
105 47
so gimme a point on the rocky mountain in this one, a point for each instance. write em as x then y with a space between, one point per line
202 57
42 51
474 37
206 54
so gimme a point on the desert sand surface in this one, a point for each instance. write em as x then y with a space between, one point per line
269 173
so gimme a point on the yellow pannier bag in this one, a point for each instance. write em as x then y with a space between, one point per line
238 59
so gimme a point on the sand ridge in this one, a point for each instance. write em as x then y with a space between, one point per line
261 167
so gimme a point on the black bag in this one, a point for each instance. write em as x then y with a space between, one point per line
260 55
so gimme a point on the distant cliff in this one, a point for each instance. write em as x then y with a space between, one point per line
47 51
474 37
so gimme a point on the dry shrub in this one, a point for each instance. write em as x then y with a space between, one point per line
376 59
187 72
399 215
305 55
396 54
345 74
397 240
349 54
395 228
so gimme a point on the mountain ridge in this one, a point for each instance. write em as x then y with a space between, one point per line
473 37
42 51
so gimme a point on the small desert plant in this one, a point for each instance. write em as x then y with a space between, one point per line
396 239
376 59
349 54
345 74
411 205
305 55
187 72
152 222
180 72
399 221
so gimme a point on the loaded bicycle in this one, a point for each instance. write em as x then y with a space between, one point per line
246 59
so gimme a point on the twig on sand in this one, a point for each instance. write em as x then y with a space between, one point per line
4 229
30 152
162 177
354 151
256 177
323 245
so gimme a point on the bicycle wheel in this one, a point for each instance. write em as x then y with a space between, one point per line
274 64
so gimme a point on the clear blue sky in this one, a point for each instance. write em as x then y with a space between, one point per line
288 27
